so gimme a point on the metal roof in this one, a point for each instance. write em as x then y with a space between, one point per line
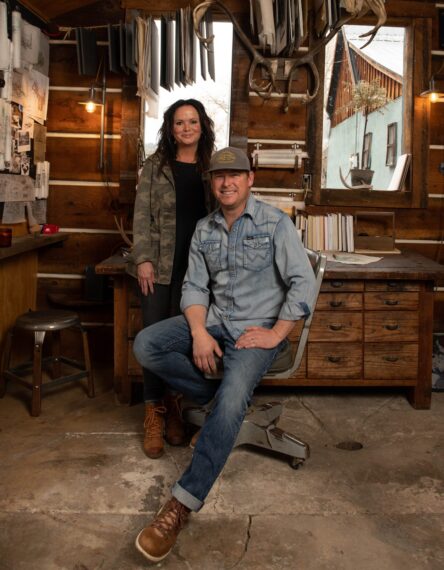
386 49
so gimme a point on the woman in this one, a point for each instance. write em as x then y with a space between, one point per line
171 197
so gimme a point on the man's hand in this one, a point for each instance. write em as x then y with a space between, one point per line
145 277
258 337
204 349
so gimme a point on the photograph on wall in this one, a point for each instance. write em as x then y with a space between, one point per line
16 163
28 124
16 116
23 141
18 93
25 164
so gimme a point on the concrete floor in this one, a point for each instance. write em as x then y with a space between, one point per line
75 488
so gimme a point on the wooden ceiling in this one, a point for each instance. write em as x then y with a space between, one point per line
73 12
49 10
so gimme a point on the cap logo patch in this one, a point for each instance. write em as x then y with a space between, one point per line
226 157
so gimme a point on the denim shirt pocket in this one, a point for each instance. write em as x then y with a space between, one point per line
257 252
211 250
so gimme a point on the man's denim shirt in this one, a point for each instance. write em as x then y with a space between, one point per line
252 275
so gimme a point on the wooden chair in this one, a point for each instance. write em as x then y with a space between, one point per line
259 426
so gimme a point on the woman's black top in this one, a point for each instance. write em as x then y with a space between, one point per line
190 207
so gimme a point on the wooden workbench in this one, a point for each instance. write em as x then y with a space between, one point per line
372 326
18 277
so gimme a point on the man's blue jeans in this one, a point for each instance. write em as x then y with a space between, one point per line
165 348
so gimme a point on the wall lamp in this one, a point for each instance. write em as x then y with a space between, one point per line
433 93
93 101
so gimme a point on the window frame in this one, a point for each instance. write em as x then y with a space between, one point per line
392 145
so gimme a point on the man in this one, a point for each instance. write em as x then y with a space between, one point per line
248 281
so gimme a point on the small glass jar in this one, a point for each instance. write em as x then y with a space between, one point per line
5 237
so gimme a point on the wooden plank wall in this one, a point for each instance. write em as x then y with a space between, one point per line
83 200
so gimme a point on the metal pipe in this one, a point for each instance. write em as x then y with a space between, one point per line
102 121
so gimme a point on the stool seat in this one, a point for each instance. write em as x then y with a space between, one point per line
47 320
41 323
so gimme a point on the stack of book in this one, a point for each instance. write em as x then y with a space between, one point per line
330 232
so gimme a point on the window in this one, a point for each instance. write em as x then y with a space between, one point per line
354 160
390 159
366 155
215 95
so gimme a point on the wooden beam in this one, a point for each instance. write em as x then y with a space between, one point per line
47 10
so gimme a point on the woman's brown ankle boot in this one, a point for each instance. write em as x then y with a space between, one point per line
175 427
154 426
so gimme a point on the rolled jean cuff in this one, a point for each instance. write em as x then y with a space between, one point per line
186 498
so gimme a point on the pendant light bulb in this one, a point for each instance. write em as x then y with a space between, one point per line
90 107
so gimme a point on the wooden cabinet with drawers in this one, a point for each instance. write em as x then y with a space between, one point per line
372 327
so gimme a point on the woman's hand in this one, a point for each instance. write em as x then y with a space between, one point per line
145 277
258 337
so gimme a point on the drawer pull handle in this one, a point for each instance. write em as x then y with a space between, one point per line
337 327
392 284
392 327
335 304
334 359
337 284
391 358
391 302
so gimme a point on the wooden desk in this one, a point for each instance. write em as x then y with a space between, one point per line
372 326
18 277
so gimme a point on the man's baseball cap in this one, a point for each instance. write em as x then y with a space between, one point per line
229 158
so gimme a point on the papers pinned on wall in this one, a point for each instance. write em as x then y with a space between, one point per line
16 188
30 89
42 179
4 40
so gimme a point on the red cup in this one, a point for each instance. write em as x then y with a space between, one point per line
5 237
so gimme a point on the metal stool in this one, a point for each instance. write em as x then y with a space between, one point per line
41 322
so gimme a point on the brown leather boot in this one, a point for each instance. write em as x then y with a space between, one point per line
175 427
156 540
154 425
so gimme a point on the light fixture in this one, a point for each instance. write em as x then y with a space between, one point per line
93 101
432 92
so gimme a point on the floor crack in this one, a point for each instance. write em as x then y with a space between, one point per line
247 542
173 460
377 410
316 417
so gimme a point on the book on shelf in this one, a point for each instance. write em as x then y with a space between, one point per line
329 232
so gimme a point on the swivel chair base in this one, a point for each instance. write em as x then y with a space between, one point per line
259 429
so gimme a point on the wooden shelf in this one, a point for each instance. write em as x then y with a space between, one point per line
30 243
